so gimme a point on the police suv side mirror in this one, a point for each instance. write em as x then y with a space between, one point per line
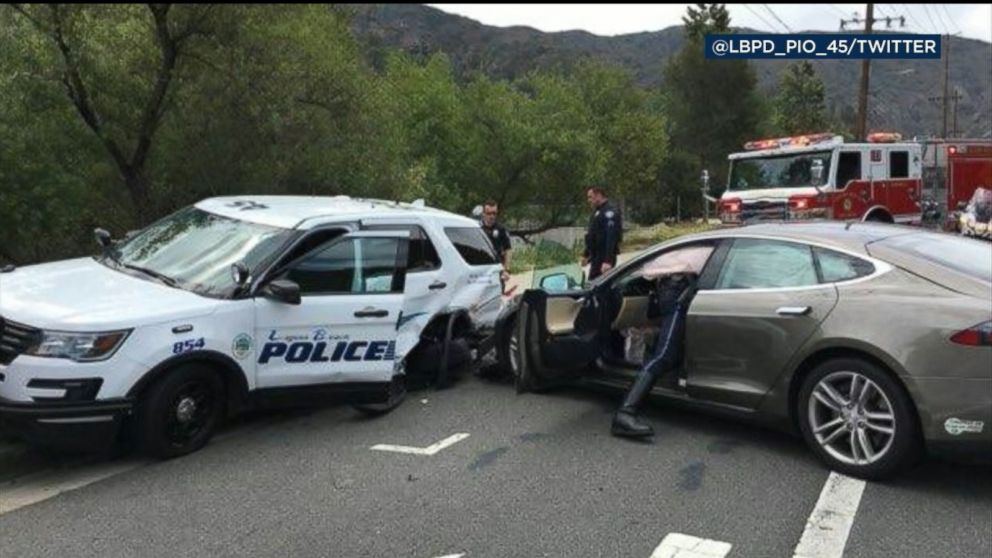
240 273
102 238
282 290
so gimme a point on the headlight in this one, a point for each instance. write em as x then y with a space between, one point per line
80 347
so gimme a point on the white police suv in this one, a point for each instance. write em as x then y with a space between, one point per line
242 302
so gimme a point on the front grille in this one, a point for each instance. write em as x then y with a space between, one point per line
762 210
15 338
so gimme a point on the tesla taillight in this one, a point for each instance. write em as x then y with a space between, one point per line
977 336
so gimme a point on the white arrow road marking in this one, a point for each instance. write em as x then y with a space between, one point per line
677 545
830 523
429 450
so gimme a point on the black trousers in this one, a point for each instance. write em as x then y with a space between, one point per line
665 358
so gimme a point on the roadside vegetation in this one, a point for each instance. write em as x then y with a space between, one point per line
115 115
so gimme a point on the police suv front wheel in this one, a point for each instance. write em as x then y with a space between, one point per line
179 413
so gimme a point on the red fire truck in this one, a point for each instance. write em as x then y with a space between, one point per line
821 176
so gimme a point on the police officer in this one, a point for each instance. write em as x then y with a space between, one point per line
603 235
675 275
498 236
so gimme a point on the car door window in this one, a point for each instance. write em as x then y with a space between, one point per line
423 255
767 264
835 266
350 266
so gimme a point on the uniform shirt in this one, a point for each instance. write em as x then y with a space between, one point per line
500 239
604 235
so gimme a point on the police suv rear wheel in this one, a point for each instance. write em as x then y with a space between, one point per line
180 412
397 393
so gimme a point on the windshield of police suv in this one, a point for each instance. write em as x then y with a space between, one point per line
777 171
194 250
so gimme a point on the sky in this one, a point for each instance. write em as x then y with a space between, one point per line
970 20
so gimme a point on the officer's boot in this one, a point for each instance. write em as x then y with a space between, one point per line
626 421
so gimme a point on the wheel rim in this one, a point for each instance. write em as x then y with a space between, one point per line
514 346
852 418
190 413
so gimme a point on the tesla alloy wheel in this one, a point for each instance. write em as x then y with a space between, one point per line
857 418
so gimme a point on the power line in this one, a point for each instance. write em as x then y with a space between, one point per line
950 19
763 20
927 11
838 10
774 15
940 18
913 17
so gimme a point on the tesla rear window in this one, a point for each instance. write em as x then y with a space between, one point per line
964 255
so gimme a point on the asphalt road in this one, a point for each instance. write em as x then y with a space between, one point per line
538 475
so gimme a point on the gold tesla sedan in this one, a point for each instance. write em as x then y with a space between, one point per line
872 341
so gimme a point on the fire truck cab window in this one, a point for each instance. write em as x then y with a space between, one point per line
848 167
898 164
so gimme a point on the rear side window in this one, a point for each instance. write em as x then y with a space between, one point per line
767 264
423 256
898 164
964 255
472 245
835 267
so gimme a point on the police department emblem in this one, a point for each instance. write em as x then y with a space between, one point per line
847 204
242 345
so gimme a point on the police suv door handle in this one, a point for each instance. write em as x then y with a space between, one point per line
370 312
793 310
437 285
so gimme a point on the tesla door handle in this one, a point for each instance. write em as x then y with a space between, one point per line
793 310
371 313
437 285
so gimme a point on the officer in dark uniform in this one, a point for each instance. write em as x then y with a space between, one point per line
498 236
604 234
675 275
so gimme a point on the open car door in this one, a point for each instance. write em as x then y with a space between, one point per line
557 337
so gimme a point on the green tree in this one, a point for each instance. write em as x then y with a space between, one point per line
800 107
713 105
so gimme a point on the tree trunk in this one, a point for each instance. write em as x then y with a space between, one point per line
139 189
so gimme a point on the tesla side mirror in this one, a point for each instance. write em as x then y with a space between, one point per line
282 290
555 283
240 273
102 238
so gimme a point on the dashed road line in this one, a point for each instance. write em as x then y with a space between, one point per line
829 525
677 545
429 450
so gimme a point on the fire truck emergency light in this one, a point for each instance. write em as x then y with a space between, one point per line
884 137
794 141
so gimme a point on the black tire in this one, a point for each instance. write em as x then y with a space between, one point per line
397 393
505 360
180 412
885 397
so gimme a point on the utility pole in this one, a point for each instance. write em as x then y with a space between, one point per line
954 126
869 21
943 99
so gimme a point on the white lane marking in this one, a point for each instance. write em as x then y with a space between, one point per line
677 545
36 488
429 450
830 522
452 556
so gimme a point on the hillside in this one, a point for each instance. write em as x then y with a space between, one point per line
899 88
